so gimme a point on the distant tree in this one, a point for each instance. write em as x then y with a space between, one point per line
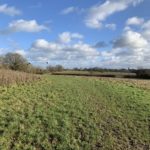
59 68
15 61
55 68
38 70
50 68
75 69
143 73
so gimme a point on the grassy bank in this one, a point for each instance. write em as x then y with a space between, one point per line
73 113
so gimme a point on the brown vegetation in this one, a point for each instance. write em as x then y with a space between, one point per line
8 77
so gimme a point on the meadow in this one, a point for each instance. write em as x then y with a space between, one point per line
75 113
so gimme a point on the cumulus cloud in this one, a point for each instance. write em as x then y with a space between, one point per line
66 37
135 21
131 49
53 50
65 52
23 26
144 26
3 51
131 39
98 13
26 26
146 30
21 52
9 10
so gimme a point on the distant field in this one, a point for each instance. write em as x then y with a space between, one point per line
75 113
96 73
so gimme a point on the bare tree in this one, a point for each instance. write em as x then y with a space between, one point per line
15 61
55 68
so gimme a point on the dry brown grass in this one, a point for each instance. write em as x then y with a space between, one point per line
8 77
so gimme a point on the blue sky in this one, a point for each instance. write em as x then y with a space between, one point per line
103 33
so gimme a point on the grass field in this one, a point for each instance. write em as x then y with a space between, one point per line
74 113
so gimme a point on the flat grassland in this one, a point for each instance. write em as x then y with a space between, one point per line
75 113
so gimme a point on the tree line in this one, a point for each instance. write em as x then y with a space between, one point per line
15 61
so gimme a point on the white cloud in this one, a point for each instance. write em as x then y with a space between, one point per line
53 50
66 37
65 52
131 49
42 44
111 26
144 26
132 40
69 10
136 2
1 51
72 9
135 21
23 26
9 10
4 51
146 30
21 52
26 26
98 13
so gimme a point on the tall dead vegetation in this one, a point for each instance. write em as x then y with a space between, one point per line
9 77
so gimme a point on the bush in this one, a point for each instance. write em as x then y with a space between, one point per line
143 73
38 70
15 61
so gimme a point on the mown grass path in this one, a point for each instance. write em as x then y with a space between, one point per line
74 113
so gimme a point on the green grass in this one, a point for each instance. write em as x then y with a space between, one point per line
73 113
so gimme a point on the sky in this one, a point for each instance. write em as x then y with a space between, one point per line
77 33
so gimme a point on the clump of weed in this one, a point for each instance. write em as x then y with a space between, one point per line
8 77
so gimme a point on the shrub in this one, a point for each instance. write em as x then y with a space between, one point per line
15 61
143 73
55 68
